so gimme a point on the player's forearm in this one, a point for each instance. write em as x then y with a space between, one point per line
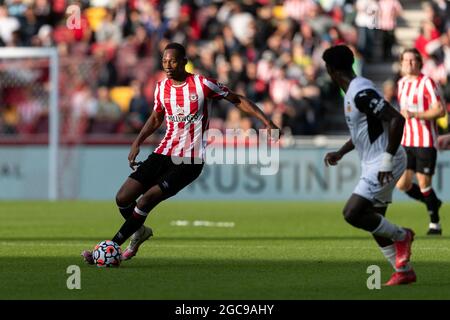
431 114
250 108
147 130
396 126
346 148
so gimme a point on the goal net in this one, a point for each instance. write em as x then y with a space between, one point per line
29 123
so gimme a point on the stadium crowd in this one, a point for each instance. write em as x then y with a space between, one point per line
268 50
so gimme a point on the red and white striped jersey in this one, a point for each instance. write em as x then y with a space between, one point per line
417 96
186 108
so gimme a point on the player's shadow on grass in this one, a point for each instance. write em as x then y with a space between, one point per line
215 278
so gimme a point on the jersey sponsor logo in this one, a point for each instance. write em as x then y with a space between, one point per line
190 118
179 110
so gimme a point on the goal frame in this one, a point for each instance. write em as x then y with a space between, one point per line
53 141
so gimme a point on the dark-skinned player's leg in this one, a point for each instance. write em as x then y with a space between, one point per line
168 179
126 201
127 195
150 199
359 213
173 179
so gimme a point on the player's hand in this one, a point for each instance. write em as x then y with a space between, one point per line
410 114
132 156
405 113
332 158
274 133
385 177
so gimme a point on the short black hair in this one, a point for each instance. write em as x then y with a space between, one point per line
178 47
339 57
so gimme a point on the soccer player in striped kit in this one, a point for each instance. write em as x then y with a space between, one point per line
421 105
183 100
376 130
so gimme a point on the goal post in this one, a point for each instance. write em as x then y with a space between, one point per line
53 142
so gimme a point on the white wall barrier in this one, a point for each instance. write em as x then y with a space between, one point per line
96 173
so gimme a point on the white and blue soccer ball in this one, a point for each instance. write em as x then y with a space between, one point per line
107 254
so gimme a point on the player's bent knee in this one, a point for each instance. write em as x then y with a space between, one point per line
119 201
351 216
122 199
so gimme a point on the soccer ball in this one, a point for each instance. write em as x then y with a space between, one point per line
107 254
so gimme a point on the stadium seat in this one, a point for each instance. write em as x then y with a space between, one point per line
122 96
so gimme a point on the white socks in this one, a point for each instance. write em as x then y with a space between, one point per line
395 233
389 253
388 230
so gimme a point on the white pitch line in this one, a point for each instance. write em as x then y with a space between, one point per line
202 223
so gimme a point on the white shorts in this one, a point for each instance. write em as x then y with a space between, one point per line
369 187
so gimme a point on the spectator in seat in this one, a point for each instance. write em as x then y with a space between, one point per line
139 109
107 110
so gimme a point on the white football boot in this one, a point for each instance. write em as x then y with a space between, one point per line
143 234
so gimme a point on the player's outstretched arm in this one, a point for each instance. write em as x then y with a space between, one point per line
247 106
153 122
332 158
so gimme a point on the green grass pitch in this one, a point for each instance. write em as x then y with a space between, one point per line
282 250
